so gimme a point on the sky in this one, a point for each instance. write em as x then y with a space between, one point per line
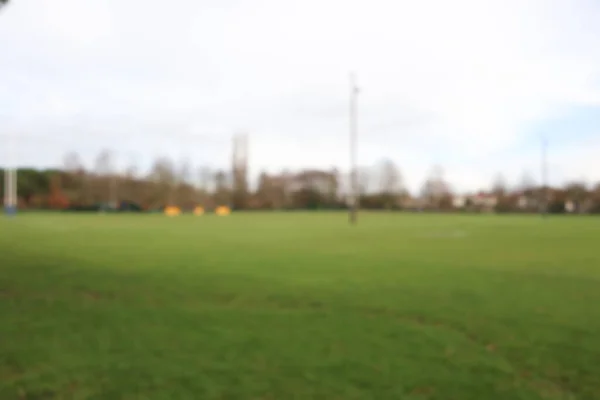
472 86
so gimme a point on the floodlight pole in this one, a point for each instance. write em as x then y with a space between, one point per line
544 166
10 171
353 217
10 179
9 190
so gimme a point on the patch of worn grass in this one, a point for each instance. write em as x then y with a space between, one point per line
298 306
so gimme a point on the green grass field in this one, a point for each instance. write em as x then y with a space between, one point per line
299 306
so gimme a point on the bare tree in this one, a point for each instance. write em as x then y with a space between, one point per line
163 175
390 177
130 188
204 179
132 169
221 187
287 187
105 169
436 192
526 187
333 187
184 172
527 183
578 194
183 189
364 180
499 186
74 168
595 197
504 200
104 163
72 162
270 191
390 183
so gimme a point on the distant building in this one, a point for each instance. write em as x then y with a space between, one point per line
459 201
527 201
481 201
484 201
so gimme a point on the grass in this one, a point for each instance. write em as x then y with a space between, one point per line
299 306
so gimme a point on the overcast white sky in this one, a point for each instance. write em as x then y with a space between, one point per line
467 84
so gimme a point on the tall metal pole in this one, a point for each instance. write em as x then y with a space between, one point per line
545 189
353 148
235 171
10 178
6 188
10 173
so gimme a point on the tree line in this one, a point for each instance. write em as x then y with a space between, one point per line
168 183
